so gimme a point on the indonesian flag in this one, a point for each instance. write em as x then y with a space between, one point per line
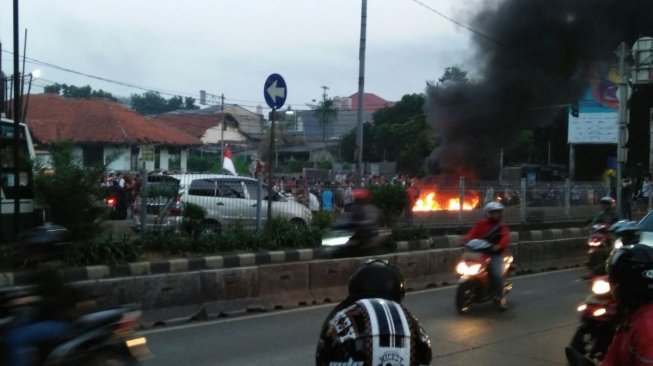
228 164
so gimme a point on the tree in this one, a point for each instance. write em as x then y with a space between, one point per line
189 103
455 74
72 192
325 112
399 133
102 94
72 91
152 102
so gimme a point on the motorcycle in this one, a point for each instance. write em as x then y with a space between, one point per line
599 245
597 320
474 282
338 243
100 338
599 309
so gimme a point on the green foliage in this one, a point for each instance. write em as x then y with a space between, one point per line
284 234
455 74
72 91
193 216
325 164
326 112
399 133
203 163
240 163
72 192
107 250
296 166
152 102
407 233
391 201
322 220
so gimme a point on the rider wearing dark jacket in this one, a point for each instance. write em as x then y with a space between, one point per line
630 269
607 215
363 217
371 327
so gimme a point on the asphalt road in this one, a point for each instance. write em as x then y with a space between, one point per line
534 331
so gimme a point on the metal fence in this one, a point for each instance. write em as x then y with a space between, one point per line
524 201
229 199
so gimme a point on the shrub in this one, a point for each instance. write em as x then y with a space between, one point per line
104 251
391 201
72 192
322 220
193 216
410 233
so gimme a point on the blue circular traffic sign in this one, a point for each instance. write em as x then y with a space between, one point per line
275 91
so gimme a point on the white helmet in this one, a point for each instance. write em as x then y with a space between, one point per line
493 206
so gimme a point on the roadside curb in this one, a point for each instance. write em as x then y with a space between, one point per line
180 265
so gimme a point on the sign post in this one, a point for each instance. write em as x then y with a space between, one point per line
274 91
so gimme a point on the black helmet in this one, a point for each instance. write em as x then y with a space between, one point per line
373 332
630 269
377 278
607 200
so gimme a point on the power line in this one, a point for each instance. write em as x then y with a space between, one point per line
454 21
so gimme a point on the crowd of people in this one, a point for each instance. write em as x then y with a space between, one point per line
124 188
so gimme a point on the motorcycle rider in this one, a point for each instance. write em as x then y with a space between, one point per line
52 308
371 327
493 230
363 217
630 270
607 215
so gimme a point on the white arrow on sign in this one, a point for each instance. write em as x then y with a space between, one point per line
275 92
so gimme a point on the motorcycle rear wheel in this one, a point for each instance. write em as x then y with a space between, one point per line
464 297
584 340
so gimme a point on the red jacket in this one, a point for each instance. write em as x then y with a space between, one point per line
483 227
632 345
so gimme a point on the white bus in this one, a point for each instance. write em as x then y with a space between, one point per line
21 186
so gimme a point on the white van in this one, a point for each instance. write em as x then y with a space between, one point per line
228 199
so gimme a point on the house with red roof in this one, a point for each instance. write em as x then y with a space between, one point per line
240 130
102 130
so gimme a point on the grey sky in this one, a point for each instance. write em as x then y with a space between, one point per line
231 47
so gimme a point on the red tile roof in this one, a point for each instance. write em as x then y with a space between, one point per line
53 118
371 102
193 124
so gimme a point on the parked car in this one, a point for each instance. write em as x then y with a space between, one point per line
646 229
229 199
164 209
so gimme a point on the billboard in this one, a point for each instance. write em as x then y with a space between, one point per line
598 118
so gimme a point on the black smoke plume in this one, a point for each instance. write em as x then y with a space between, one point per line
534 57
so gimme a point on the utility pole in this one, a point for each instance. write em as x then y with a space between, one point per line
224 127
324 92
622 137
361 90
17 119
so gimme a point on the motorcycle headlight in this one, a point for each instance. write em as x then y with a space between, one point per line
600 287
618 243
594 243
468 270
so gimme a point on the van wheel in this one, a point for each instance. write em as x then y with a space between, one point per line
210 227
298 222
